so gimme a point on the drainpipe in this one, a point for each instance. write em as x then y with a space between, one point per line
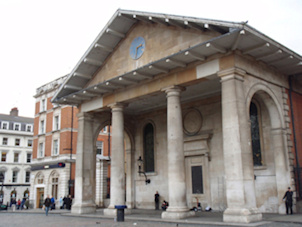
71 137
294 135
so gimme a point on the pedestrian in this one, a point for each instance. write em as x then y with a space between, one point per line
61 202
18 204
47 204
53 203
156 200
27 204
64 202
22 203
288 198
68 202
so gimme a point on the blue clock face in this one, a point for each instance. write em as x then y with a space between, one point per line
137 47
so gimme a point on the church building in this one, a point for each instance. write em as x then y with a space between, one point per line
199 111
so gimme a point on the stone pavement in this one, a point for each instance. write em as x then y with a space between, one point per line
152 218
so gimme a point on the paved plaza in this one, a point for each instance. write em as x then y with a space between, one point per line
139 218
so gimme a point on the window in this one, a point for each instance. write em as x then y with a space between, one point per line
40 178
42 127
17 126
3 157
15 176
54 184
55 147
29 143
41 150
28 157
99 147
17 142
4 141
29 128
255 134
27 177
43 105
105 129
4 125
56 123
16 157
149 148
197 181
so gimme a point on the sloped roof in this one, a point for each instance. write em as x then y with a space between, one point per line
233 36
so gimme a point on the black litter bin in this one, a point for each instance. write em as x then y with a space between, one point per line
120 215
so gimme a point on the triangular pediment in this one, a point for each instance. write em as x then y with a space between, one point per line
170 42
146 43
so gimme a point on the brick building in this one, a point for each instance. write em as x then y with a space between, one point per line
54 149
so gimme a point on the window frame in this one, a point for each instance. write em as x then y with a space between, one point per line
57 143
5 123
31 144
152 169
27 176
3 139
4 152
17 144
16 156
18 128
27 154
15 176
56 122
99 147
41 150
42 126
30 127
43 105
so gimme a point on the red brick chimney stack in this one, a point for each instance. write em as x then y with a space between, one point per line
14 112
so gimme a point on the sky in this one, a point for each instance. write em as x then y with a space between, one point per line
42 40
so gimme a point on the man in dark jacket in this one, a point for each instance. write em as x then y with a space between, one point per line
47 204
288 197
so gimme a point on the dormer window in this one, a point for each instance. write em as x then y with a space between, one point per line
4 125
29 128
17 126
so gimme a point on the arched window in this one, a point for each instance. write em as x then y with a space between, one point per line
39 178
149 148
255 134
54 179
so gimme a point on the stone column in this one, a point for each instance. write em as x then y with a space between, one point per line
238 161
176 161
117 181
85 167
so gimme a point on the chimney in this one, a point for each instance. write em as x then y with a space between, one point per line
14 112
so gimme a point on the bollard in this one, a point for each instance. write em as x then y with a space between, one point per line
120 215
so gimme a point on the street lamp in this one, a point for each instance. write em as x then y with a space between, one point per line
140 163
1 193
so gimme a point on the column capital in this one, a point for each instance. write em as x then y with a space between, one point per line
117 105
232 73
174 88
84 115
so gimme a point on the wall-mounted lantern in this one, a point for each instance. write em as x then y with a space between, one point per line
140 163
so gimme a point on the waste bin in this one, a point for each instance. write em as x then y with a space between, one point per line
120 212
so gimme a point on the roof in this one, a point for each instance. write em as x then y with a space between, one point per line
17 119
234 36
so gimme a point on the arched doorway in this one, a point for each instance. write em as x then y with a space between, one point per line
269 149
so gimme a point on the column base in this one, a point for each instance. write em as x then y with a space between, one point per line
242 215
177 213
83 208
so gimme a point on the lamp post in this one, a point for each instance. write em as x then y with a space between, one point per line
1 193
140 163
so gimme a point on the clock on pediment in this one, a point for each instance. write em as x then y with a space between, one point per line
137 47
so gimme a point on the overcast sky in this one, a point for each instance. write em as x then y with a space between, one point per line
42 40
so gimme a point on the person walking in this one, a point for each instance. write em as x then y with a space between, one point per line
288 198
156 200
47 204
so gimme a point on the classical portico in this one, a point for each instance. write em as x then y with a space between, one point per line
184 106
